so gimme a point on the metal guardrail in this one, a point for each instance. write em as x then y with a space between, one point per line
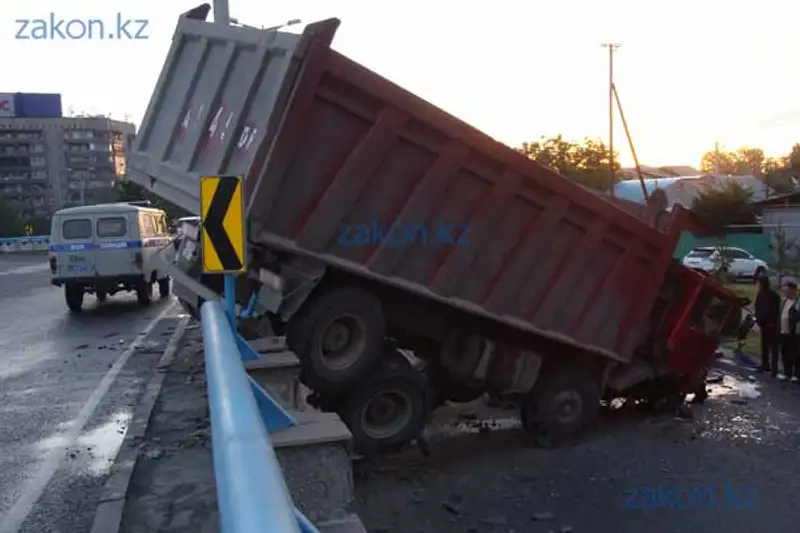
30 243
251 491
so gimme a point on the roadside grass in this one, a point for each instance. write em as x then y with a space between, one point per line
752 344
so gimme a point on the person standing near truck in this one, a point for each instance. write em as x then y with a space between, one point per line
768 303
788 331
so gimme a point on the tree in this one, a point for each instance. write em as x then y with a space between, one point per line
793 159
784 250
745 160
38 225
128 191
719 162
11 224
725 204
586 163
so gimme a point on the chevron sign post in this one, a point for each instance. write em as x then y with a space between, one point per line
222 216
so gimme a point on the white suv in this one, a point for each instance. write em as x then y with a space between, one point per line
741 263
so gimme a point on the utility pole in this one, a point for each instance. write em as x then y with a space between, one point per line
612 47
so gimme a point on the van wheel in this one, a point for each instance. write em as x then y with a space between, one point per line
338 337
163 287
74 296
389 409
562 405
144 292
101 296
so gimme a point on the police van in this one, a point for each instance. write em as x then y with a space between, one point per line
107 248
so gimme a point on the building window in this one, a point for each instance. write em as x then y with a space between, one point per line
38 161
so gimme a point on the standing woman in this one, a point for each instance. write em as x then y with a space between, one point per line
788 326
767 308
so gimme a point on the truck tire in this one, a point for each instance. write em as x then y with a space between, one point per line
144 292
338 337
74 297
561 406
390 409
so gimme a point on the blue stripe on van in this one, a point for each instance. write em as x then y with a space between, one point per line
113 245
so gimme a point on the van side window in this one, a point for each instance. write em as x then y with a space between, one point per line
112 227
148 228
77 228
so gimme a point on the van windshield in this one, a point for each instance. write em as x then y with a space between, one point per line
111 227
77 228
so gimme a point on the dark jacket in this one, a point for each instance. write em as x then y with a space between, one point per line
794 315
768 304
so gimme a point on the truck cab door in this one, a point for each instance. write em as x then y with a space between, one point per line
694 340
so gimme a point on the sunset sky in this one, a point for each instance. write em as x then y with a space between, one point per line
688 73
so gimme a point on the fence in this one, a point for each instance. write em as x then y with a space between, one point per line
33 243
757 244
251 491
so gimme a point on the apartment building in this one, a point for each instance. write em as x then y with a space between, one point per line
50 163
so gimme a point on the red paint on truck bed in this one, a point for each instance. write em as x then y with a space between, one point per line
345 146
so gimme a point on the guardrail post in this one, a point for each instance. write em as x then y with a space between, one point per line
230 298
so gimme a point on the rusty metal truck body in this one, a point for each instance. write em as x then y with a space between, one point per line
336 158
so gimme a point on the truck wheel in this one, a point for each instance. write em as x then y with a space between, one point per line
144 292
389 409
163 288
338 338
74 296
561 405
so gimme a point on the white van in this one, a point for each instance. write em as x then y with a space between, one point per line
106 248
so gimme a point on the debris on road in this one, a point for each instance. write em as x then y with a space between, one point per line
748 391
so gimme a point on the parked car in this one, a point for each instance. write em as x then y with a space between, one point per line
709 259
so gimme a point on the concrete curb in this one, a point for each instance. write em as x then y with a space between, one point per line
108 517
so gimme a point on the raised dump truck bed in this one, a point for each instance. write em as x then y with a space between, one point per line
330 149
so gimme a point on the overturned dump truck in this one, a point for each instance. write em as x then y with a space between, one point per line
380 226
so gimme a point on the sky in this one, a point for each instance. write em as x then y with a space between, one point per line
689 73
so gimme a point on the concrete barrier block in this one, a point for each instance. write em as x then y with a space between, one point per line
316 463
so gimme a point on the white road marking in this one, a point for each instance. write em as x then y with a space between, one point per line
33 489
27 269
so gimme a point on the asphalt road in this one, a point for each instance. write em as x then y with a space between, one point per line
68 385
734 468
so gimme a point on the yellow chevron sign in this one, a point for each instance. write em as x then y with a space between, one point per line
222 217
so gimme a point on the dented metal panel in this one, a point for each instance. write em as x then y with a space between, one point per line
349 158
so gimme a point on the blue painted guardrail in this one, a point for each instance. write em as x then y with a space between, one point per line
31 243
251 491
